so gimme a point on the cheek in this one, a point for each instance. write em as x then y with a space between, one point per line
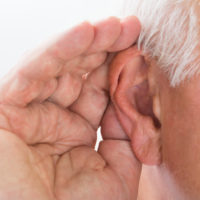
181 144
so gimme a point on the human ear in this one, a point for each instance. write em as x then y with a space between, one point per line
133 100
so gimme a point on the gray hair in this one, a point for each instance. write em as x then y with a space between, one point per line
170 35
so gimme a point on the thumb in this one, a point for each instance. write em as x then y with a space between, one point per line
120 158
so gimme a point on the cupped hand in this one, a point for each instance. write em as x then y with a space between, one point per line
51 106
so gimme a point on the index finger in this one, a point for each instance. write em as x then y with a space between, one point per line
109 35
26 82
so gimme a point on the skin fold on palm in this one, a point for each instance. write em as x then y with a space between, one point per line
51 106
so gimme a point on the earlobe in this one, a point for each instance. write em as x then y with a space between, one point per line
129 91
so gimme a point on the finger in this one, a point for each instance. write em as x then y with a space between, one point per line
122 160
70 85
25 83
73 43
49 124
93 99
48 62
84 64
48 89
68 90
130 31
106 33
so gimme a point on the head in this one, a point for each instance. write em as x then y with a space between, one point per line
155 91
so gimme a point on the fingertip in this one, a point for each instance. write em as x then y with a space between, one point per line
133 20
106 33
131 28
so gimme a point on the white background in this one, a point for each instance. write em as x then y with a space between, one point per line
25 24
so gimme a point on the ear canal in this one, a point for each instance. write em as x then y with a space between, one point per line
129 90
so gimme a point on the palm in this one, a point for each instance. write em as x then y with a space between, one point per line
55 112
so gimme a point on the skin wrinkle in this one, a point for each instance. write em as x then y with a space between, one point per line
178 116
62 140
97 184
46 176
8 124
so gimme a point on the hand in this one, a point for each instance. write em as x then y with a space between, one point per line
51 107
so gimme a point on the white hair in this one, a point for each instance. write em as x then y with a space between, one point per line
170 35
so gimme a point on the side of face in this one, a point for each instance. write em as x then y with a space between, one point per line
163 123
180 133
